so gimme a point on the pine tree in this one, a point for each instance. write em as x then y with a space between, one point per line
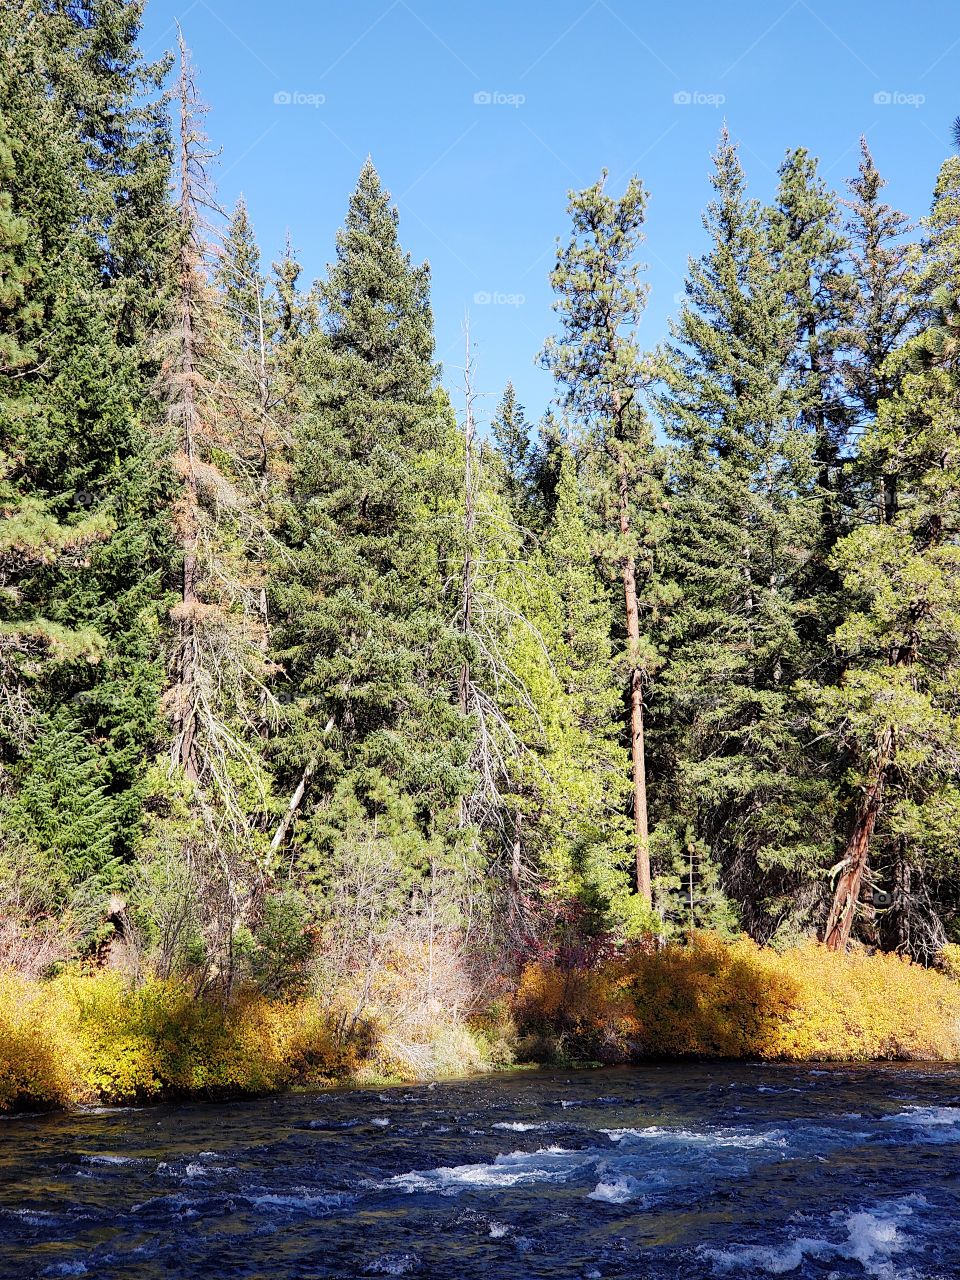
743 522
883 306
598 363
895 708
810 250
512 434
589 844
219 365
367 638
80 460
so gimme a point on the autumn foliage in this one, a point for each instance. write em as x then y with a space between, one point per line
97 1037
711 998
86 1037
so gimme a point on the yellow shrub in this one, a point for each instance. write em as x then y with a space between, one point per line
711 998
950 960
40 1052
91 1036
83 1036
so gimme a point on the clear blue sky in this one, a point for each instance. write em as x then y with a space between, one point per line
575 85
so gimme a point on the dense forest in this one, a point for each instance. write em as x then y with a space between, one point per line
302 662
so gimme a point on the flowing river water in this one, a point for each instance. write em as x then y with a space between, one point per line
650 1173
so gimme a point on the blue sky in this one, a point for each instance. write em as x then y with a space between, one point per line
481 117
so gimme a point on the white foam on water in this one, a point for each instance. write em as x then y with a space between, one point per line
873 1238
66 1269
619 1190
498 1230
716 1138
300 1199
392 1264
549 1164
518 1126
380 1121
938 1124
105 1111
40 1215
106 1159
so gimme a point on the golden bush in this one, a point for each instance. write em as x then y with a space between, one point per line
85 1036
712 998
40 1052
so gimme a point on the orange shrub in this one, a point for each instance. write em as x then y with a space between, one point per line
712 998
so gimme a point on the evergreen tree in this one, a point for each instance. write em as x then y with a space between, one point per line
884 307
512 434
811 252
80 457
747 799
366 633
598 363
895 708
586 840
220 365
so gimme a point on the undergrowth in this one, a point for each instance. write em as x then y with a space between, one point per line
95 1036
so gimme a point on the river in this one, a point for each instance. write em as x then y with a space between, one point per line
650 1173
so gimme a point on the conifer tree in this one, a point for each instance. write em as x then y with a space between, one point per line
512 434
884 307
742 526
219 377
80 461
810 250
895 707
598 363
587 844
367 634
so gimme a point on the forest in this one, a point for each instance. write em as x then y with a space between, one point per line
314 684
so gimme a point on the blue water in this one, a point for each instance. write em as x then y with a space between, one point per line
647 1173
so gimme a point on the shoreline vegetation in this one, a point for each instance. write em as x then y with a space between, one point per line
94 1037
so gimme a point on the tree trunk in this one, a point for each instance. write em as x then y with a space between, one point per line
856 857
516 856
637 744
293 805
186 711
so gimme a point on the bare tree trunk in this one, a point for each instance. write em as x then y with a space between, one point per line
902 890
856 859
516 850
465 696
293 805
299 792
186 712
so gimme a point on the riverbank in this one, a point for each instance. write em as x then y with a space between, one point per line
94 1037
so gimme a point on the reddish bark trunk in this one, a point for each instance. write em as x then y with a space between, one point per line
836 934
